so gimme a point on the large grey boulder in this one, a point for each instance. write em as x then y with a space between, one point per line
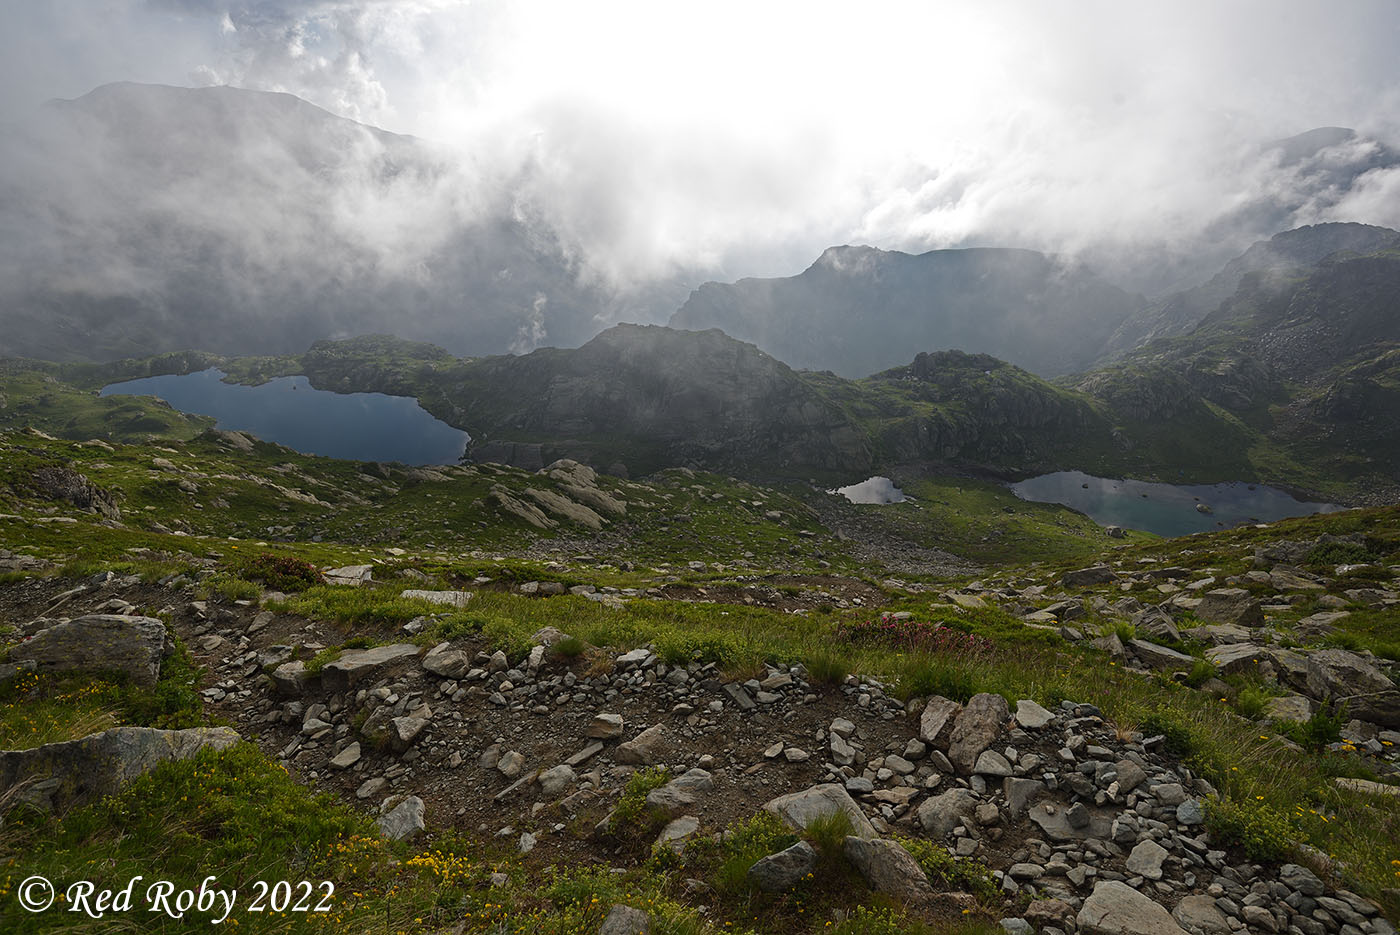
888 868
800 809
975 728
785 869
942 813
1235 658
357 665
1084 577
936 722
1159 657
456 599
625 920
59 776
1341 676
291 679
1231 605
401 818
1115 908
1200 914
133 646
447 662
1032 716
648 748
680 793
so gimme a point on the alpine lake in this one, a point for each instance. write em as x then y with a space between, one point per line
288 411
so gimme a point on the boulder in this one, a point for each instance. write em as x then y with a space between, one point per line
1160 657
447 662
349 575
936 723
941 814
59 776
133 646
1233 658
1289 708
291 679
1200 914
648 748
553 782
680 793
1032 716
357 665
456 599
1084 577
1156 624
782 871
975 728
800 809
605 727
1342 676
1021 794
1115 908
1218 634
1231 605
888 868
401 818
1146 860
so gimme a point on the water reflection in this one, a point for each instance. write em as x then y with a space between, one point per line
286 410
1166 509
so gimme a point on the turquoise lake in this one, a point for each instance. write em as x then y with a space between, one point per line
286 410
1166 509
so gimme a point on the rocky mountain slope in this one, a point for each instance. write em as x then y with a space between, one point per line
1301 248
857 310
1302 353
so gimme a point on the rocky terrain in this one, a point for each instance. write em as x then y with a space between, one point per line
1031 748
1099 824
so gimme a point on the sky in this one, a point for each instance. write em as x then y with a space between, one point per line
745 137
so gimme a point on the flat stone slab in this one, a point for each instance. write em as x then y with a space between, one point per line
446 598
356 665
99 642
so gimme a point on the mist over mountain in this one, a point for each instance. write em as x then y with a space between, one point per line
138 219
857 310
141 218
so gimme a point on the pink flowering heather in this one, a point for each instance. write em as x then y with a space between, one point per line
911 635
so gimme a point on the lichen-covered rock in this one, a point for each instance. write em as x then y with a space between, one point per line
99 642
356 665
59 776
975 727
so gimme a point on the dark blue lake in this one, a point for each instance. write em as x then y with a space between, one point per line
1166 509
286 410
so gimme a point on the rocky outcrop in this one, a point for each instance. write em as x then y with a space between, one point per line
61 483
61 776
132 646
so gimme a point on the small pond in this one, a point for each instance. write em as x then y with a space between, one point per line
1166 509
286 410
873 490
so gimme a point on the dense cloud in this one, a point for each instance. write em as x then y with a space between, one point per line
639 142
